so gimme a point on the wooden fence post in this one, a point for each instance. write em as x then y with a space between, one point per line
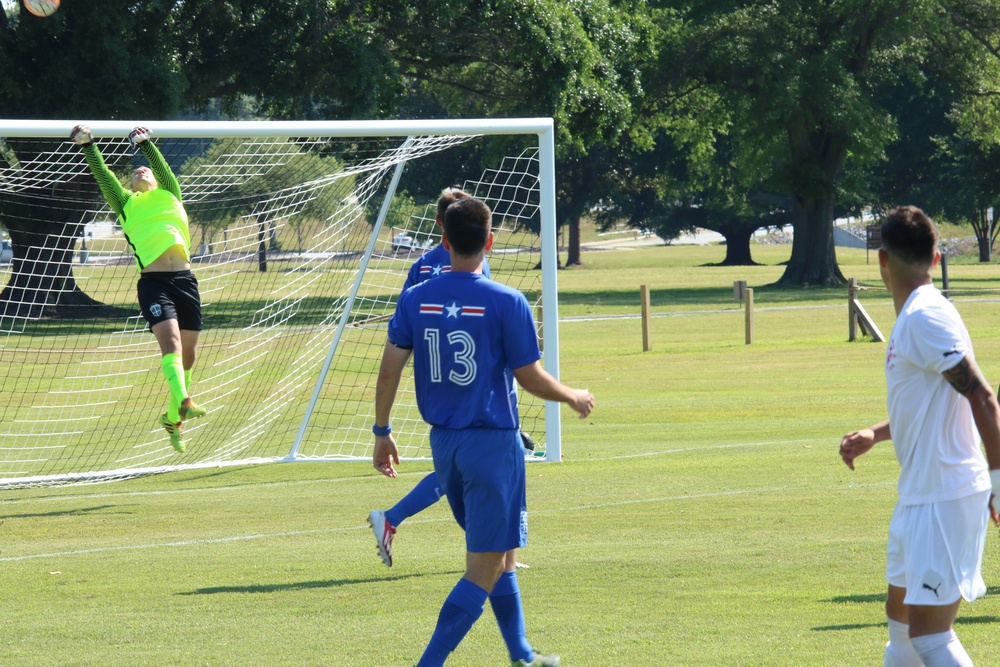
644 300
739 290
858 317
944 275
852 314
748 315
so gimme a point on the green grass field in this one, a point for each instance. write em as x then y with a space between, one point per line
701 515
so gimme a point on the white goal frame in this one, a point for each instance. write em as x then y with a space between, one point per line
541 128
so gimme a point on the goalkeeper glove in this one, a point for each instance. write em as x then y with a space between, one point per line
139 135
80 135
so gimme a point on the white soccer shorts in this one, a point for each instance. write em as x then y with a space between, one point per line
935 550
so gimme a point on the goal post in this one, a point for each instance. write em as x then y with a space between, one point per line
302 233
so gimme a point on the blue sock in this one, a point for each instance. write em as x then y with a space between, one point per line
460 611
423 495
506 602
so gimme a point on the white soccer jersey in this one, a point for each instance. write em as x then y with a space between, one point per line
933 431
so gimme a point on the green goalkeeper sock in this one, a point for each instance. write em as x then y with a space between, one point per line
175 405
173 370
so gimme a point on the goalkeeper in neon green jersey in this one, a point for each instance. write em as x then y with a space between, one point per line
156 228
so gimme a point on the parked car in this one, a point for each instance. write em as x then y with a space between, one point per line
402 242
6 252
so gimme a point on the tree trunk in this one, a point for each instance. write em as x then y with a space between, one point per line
42 282
985 248
43 237
737 245
814 257
261 243
985 235
573 255
817 159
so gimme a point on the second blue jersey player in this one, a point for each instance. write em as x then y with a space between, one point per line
432 264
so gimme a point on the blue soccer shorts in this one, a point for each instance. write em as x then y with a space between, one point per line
482 472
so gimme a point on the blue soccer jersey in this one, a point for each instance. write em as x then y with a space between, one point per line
433 263
467 333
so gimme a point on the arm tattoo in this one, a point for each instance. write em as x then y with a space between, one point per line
964 377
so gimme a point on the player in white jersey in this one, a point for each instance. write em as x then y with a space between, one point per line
937 400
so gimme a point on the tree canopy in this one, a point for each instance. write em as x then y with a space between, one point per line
780 107
725 114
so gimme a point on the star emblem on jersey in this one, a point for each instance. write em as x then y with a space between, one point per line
452 309
437 270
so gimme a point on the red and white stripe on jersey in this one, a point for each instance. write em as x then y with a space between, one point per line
473 311
430 269
432 308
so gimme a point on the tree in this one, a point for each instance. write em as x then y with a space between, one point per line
696 174
51 69
946 158
812 75
294 59
290 195
42 282
575 62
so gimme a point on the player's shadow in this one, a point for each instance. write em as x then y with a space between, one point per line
961 620
306 585
880 599
80 511
862 598
209 475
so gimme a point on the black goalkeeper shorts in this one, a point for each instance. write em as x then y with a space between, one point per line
170 295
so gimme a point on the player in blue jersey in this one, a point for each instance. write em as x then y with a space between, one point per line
428 491
437 260
470 338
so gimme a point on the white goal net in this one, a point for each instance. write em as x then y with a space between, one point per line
302 234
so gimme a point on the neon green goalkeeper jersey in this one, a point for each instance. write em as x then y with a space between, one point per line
152 221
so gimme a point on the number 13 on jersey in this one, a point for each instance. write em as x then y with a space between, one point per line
462 347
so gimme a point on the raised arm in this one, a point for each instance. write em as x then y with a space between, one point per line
161 170
111 189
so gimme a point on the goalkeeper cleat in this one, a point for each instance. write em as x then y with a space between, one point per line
384 533
174 431
188 410
538 661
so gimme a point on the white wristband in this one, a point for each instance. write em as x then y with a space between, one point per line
995 479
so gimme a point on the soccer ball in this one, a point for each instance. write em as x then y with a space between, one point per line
41 7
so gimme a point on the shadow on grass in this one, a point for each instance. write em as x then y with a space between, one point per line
213 474
871 598
849 626
961 620
80 511
864 598
306 585
858 599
